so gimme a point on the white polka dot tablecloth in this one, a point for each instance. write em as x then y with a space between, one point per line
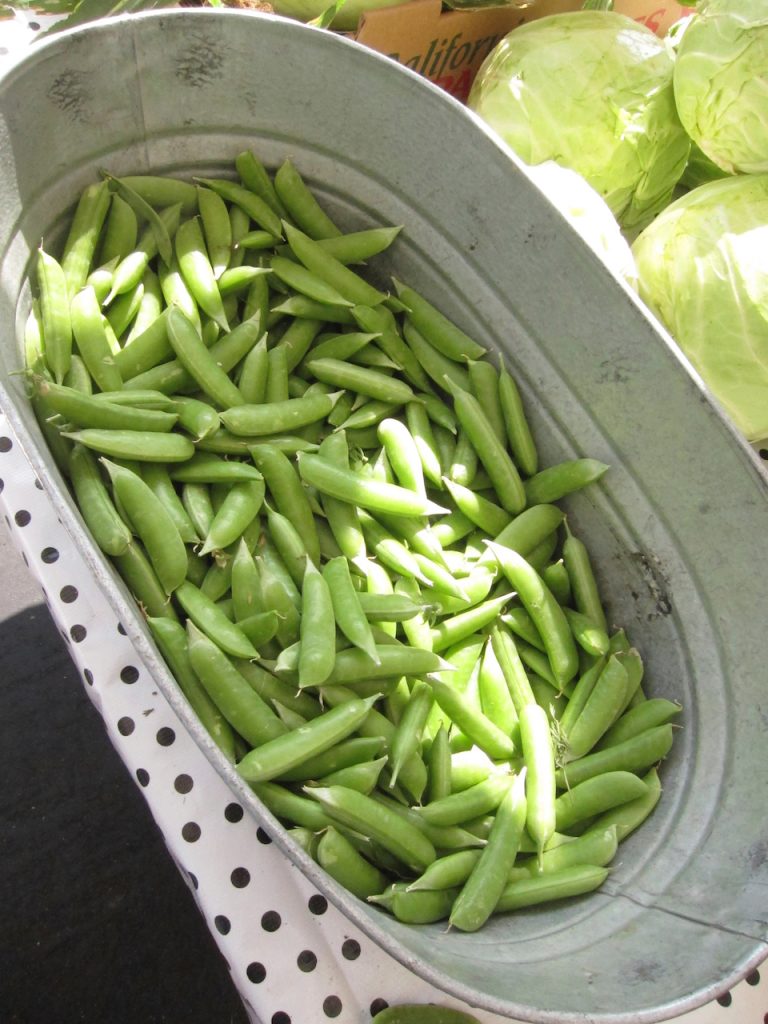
293 957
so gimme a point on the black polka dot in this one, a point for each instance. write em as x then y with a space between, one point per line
281 1017
129 674
165 736
49 555
377 1006
753 978
142 776
125 726
222 924
34 25
2 485
38 485
350 950
271 921
191 832
318 904
763 453
88 676
68 594
256 973
183 783
306 961
193 880
332 1006
725 999
263 836
233 813
22 517
5 444
240 877
121 629
78 633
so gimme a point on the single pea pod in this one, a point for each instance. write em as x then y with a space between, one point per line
153 524
595 796
489 876
55 315
139 445
564 884
634 755
85 410
83 236
371 818
240 705
422 1013
283 753
555 482
546 613
171 638
460 808
238 509
199 362
540 787
301 205
439 331
317 630
212 621
317 259
278 417
336 855
95 504
196 269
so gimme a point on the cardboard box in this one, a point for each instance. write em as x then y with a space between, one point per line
448 47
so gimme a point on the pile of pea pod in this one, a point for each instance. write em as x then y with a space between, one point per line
327 501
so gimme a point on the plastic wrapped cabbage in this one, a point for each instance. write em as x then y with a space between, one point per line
591 90
588 213
721 83
703 270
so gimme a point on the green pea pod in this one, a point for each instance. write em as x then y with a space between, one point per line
241 706
278 416
301 205
83 236
634 755
371 818
630 816
141 579
543 608
450 630
284 752
648 715
540 789
595 796
337 856
317 630
518 431
555 482
95 504
422 1013
153 524
171 638
256 178
143 209
439 331
252 381
208 618
239 508
583 583
288 494
196 269
348 611
139 445
358 246
564 884
459 808
600 710
319 261
217 229
198 361
489 876
55 314
85 410
596 846
121 231
155 476
163 191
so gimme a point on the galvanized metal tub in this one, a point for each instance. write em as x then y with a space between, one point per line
678 528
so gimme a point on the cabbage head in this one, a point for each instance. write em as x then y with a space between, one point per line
591 90
721 83
703 270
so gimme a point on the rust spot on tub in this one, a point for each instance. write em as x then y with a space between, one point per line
200 63
70 94
657 583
